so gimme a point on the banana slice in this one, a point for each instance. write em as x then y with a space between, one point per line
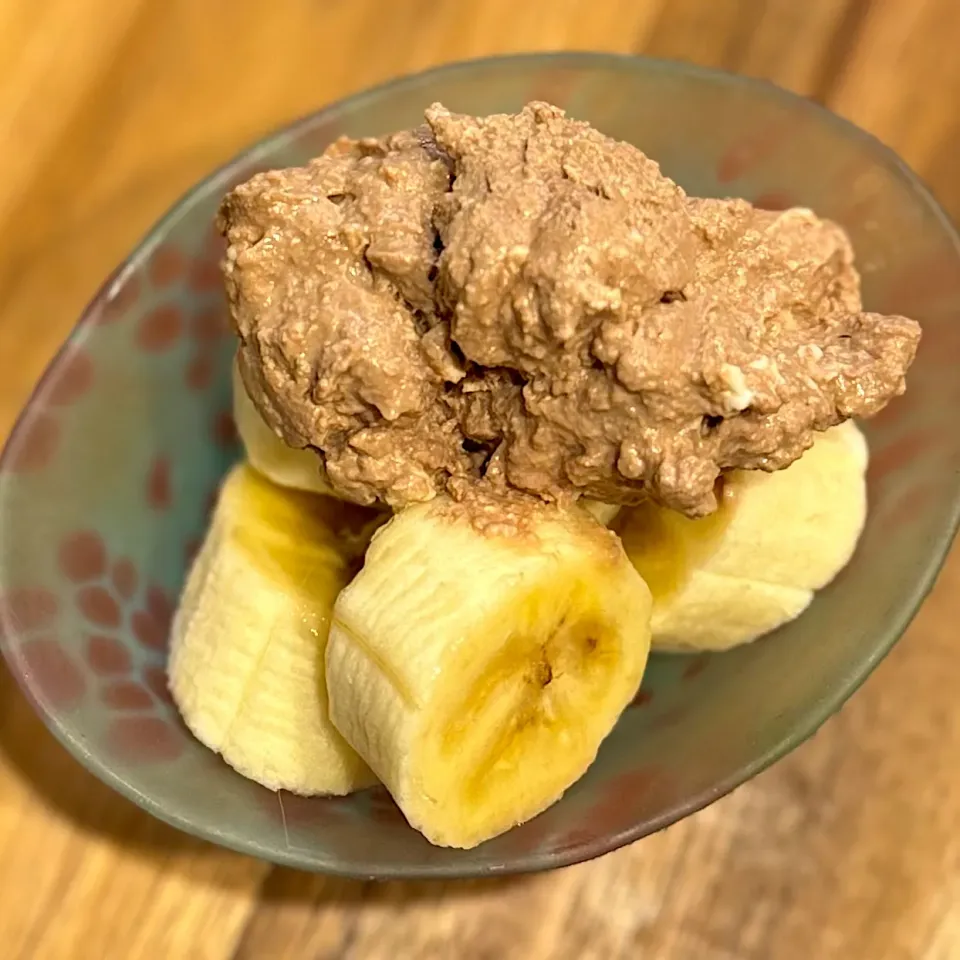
286 466
478 660
754 564
246 663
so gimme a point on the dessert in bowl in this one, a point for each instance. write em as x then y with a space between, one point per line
94 560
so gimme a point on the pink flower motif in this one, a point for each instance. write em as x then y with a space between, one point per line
106 656
82 556
151 622
74 378
124 577
29 608
530 836
696 666
200 371
774 200
51 671
553 85
887 460
155 680
753 149
159 484
160 329
36 447
148 632
224 429
28 616
383 809
143 739
126 297
207 330
98 606
126 695
289 809
615 810
36 444
107 593
166 265
205 276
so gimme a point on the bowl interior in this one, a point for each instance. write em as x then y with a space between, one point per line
108 480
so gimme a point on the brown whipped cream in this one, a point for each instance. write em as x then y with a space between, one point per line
523 303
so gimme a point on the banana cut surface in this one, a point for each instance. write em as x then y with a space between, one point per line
477 668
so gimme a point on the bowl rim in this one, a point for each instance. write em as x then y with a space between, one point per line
819 711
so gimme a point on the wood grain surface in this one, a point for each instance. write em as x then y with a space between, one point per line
848 849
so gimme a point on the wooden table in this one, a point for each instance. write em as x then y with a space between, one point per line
849 849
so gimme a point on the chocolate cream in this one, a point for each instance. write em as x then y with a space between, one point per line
521 303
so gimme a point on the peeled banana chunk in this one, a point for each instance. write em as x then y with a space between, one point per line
754 565
246 666
286 466
477 667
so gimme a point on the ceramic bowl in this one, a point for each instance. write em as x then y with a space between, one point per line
108 479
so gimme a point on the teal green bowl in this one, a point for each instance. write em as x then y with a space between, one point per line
107 481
